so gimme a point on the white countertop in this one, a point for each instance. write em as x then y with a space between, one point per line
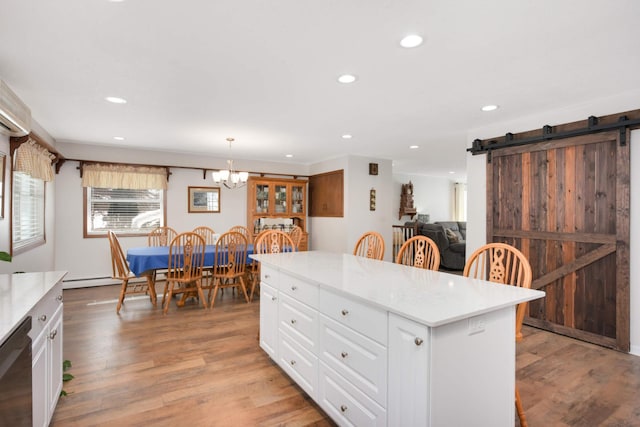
19 293
429 297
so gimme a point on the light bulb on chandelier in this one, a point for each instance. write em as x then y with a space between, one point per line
229 177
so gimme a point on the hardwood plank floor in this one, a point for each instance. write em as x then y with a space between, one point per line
197 368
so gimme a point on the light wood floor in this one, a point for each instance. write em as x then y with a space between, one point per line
197 368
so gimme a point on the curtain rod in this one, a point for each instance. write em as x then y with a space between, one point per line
168 167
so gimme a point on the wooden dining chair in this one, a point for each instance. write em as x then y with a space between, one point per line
419 251
229 265
161 236
121 271
244 231
370 245
210 237
502 263
271 242
253 268
296 235
184 273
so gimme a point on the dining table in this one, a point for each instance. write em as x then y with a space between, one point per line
148 258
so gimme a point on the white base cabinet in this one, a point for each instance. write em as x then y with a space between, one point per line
46 335
379 344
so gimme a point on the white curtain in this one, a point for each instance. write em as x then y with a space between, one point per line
124 176
34 160
460 201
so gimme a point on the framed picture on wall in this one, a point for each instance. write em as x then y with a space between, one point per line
204 199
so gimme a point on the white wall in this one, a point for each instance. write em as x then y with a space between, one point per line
359 184
41 258
327 233
341 234
476 180
89 258
431 195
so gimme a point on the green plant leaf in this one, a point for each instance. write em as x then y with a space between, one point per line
66 365
67 377
5 256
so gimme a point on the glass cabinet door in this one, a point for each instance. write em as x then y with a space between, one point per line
262 198
281 198
297 199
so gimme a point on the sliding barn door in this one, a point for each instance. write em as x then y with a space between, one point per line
565 205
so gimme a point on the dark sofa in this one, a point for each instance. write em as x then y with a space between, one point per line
452 244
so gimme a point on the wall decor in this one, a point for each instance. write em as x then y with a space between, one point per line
372 199
373 169
204 199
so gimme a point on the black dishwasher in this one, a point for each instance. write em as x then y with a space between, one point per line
15 378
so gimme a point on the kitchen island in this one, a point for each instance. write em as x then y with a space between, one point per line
377 343
38 295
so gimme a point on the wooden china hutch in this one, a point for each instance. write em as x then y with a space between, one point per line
274 203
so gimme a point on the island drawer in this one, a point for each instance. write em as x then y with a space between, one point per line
44 310
269 275
300 321
299 363
360 360
299 289
345 403
369 321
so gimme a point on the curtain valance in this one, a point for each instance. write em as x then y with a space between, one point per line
108 175
34 160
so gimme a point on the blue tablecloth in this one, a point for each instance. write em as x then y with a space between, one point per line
147 258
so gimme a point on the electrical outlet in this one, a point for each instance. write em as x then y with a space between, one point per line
476 325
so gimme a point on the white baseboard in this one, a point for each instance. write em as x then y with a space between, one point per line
91 282
635 350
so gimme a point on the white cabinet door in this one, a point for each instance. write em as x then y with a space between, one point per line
40 378
269 320
55 359
409 350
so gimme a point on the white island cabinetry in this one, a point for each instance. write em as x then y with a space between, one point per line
46 334
39 295
376 343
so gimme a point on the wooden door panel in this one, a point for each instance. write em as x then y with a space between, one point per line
563 204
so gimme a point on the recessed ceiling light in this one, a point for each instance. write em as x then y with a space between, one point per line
490 107
119 138
452 172
412 40
347 136
116 100
347 78
413 147
289 155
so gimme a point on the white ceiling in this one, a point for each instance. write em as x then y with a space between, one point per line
264 72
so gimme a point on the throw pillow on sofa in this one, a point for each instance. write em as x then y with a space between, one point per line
453 238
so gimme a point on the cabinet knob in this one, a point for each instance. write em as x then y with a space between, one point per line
344 354
343 408
294 287
293 321
344 311
59 297
43 318
53 334
273 298
293 362
267 276
418 341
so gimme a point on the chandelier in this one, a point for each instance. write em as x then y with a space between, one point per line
229 177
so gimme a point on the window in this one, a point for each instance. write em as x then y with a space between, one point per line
124 211
28 212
